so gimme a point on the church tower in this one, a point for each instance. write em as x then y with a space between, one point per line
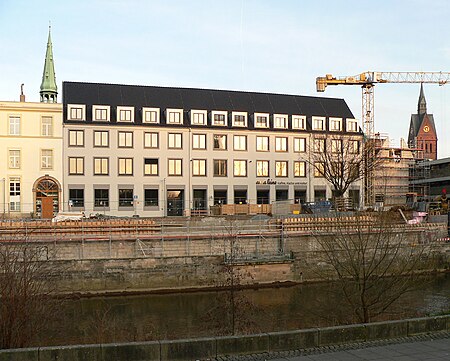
422 130
49 90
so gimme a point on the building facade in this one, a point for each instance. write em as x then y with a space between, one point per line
156 151
31 147
422 134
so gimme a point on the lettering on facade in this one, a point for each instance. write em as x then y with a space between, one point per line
275 182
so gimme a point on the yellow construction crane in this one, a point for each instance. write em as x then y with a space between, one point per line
367 81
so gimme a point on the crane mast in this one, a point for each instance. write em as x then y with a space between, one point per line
367 81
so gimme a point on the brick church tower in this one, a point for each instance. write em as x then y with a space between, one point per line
422 131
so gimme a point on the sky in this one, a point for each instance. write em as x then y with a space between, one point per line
277 46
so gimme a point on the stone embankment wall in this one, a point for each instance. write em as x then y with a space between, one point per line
208 348
173 261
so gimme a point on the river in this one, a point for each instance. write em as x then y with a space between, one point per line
200 314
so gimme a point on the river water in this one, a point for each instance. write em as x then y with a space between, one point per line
200 314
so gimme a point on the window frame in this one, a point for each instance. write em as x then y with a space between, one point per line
239 114
152 135
101 199
101 159
321 148
76 107
265 168
261 115
151 173
303 167
105 108
258 143
243 161
222 113
150 110
47 126
175 162
214 141
277 118
278 144
333 122
128 139
174 140
77 133
14 158
201 167
299 144
301 120
101 133
15 126
201 145
218 162
352 125
316 121
198 112
14 191
125 110
152 205
239 137
48 157
170 111
126 165
286 168
77 170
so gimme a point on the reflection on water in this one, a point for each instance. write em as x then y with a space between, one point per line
184 315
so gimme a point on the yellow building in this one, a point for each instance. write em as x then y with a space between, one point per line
31 151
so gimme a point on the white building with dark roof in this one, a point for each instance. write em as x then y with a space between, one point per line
156 151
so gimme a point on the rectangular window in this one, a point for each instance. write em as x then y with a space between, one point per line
101 197
14 158
150 115
198 141
262 168
220 142
47 126
76 165
174 116
76 138
219 118
126 198
101 138
262 144
125 139
198 117
100 113
125 115
125 166
280 121
175 167
261 120
353 146
281 144
46 159
335 124
175 141
101 166
151 197
336 145
239 119
220 167
240 142
318 123
199 167
299 169
299 145
150 166
240 168
319 170
14 125
75 112
319 145
298 122
76 197
352 125
281 169
151 140
14 194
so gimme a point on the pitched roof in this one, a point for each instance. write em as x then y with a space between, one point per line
204 99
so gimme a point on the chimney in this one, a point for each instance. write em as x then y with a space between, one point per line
22 95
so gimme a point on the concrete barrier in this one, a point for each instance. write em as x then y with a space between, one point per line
203 348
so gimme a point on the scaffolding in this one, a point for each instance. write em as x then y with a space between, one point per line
392 172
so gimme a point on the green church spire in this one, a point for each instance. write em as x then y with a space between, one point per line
49 90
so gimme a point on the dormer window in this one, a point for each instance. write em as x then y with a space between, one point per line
174 116
100 113
280 121
198 117
239 119
76 112
125 114
318 123
352 125
219 118
299 122
335 124
261 120
150 115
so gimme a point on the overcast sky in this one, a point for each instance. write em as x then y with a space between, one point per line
277 46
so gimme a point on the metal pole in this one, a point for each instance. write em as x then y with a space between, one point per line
4 197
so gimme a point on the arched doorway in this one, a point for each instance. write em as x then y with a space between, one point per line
46 197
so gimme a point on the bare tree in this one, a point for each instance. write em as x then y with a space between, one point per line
374 262
27 302
341 160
